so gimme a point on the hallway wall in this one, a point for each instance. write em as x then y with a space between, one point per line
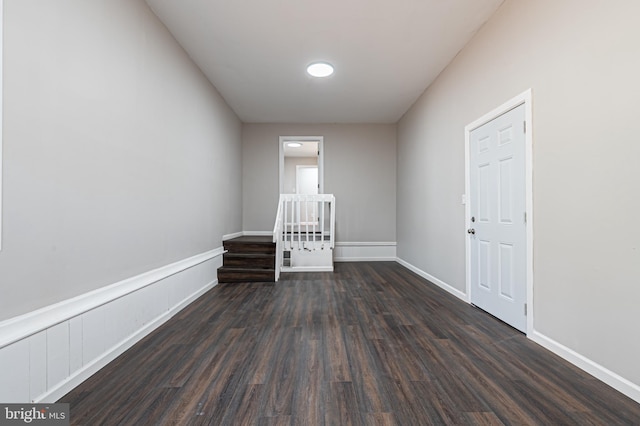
359 169
119 156
582 62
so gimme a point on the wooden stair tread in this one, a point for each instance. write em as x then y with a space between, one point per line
249 255
252 239
250 247
248 259
230 275
233 269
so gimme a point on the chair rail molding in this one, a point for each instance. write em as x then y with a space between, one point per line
47 352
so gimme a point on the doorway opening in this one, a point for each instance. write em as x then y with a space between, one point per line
301 165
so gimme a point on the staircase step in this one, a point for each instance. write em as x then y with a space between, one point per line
251 244
240 275
249 260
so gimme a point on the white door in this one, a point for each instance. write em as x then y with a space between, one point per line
307 180
498 222
307 184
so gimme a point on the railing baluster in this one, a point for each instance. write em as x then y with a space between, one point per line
306 219
299 221
314 212
285 203
291 222
332 222
322 203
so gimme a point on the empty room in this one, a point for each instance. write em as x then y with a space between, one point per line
340 212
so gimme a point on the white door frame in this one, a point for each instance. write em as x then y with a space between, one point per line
523 98
283 139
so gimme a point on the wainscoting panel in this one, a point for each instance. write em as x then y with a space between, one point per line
58 352
75 344
364 251
14 374
38 363
46 353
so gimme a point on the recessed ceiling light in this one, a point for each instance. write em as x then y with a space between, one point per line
320 69
294 144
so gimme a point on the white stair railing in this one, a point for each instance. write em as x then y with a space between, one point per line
277 232
303 222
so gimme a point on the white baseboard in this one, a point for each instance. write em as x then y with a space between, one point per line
257 233
449 288
614 380
353 251
232 236
46 353
364 251
306 269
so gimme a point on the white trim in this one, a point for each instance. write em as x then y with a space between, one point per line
282 140
257 233
79 376
232 236
366 244
526 99
20 327
447 287
306 269
348 251
614 380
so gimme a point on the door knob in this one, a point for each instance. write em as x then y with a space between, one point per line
471 231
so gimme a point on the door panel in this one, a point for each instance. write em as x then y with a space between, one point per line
307 183
497 206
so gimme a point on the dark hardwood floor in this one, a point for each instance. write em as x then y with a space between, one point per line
371 344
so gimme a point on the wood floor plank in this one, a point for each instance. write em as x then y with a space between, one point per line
308 406
343 407
370 344
249 408
365 369
481 419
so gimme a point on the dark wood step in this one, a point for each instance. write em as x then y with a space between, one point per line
251 244
249 260
245 275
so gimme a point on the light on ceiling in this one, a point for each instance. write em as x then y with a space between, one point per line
320 69
294 144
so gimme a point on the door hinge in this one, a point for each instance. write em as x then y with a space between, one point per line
524 126
525 217
525 309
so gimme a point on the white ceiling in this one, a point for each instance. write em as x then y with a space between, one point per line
308 149
385 53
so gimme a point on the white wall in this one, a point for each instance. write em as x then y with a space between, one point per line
582 61
122 171
359 169
119 155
